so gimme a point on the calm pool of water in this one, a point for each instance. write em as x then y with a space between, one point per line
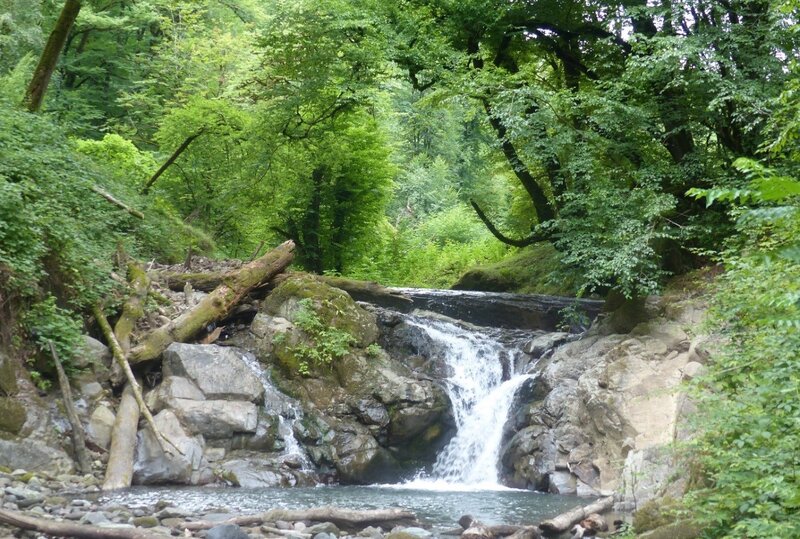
439 508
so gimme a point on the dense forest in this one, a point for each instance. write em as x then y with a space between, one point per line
586 148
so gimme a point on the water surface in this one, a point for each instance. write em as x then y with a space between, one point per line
441 509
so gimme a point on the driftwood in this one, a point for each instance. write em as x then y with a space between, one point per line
346 519
565 521
502 530
119 470
215 305
71 529
78 440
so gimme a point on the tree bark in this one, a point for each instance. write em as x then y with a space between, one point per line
346 519
78 440
70 529
185 144
34 95
565 521
215 305
524 242
119 470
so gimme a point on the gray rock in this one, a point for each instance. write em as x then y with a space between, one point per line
540 344
226 531
100 426
372 532
31 454
219 372
92 353
94 518
323 527
173 387
173 512
325 535
254 472
217 418
91 390
153 466
562 483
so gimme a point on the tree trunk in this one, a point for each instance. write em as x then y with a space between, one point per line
215 305
78 440
52 50
347 519
70 529
565 521
119 470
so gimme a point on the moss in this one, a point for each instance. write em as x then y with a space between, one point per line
8 376
26 477
682 529
12 415
534 270
657 513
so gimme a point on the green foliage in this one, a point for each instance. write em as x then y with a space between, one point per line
327 343
749 407
45 322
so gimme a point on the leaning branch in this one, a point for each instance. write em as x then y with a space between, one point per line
78 440
177 153
215 305
502 237
106 195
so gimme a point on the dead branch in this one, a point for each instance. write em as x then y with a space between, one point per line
108 196
71 529
565 521
78 440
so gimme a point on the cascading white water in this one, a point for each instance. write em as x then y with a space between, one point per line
481 403
286 409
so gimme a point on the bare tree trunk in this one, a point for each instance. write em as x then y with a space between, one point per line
119 470
78 440
215 305
34 95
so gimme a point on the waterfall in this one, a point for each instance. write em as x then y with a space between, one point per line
481 399
286 409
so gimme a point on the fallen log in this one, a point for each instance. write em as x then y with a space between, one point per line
78 440
565 521
71 529
119 469
215 305
346 519
109 197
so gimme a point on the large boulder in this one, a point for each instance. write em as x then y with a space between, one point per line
216 418
219 372
34 455
101 423
154 466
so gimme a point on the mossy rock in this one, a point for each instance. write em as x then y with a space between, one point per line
12 415
682 529
533 270
657 513
8 376
334 307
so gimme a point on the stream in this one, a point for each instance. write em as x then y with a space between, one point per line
484 368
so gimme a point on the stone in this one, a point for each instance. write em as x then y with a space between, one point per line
477 530
91 390
173 512
93 353
216 418
540 344
153 466
226 531
171 388
220 372
562 483
147 521
101 423
12 415
323 527
254 472
32 454
325 535
94 518
371 532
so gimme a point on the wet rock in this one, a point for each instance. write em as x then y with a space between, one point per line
540 344
226 531
171 388
219 372
94 518
562 483
153 466
325 535
408 533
